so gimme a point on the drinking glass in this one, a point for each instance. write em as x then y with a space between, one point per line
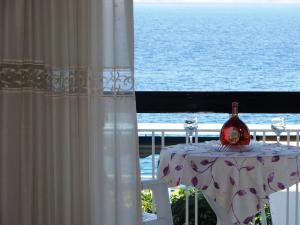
190 126
278 126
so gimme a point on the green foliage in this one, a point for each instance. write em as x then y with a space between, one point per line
147 201
258 219
206 216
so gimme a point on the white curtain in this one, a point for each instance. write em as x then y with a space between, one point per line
68 134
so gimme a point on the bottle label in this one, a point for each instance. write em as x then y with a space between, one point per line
232 135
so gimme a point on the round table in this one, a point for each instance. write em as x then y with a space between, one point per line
235 184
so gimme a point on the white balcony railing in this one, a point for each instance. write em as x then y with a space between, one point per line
162 130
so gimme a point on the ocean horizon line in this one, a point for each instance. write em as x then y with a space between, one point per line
220 2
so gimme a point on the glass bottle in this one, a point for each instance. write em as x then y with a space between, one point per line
234 130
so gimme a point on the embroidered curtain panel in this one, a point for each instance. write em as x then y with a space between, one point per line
68 134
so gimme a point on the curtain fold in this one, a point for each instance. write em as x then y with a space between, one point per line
68 132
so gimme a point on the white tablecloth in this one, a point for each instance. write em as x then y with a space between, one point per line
236 185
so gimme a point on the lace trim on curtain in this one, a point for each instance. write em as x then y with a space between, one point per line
39 77
118 81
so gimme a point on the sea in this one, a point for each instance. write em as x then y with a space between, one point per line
217 47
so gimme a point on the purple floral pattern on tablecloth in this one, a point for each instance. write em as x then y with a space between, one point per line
235 180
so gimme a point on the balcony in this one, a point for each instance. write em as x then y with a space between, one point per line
154 136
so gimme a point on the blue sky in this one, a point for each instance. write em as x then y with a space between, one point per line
222 1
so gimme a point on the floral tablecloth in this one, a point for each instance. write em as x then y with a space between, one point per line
236 184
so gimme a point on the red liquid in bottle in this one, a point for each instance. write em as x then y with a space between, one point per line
235 131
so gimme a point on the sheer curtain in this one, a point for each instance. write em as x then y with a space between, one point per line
68 134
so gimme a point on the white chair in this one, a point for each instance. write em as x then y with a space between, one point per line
162 203
279 207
